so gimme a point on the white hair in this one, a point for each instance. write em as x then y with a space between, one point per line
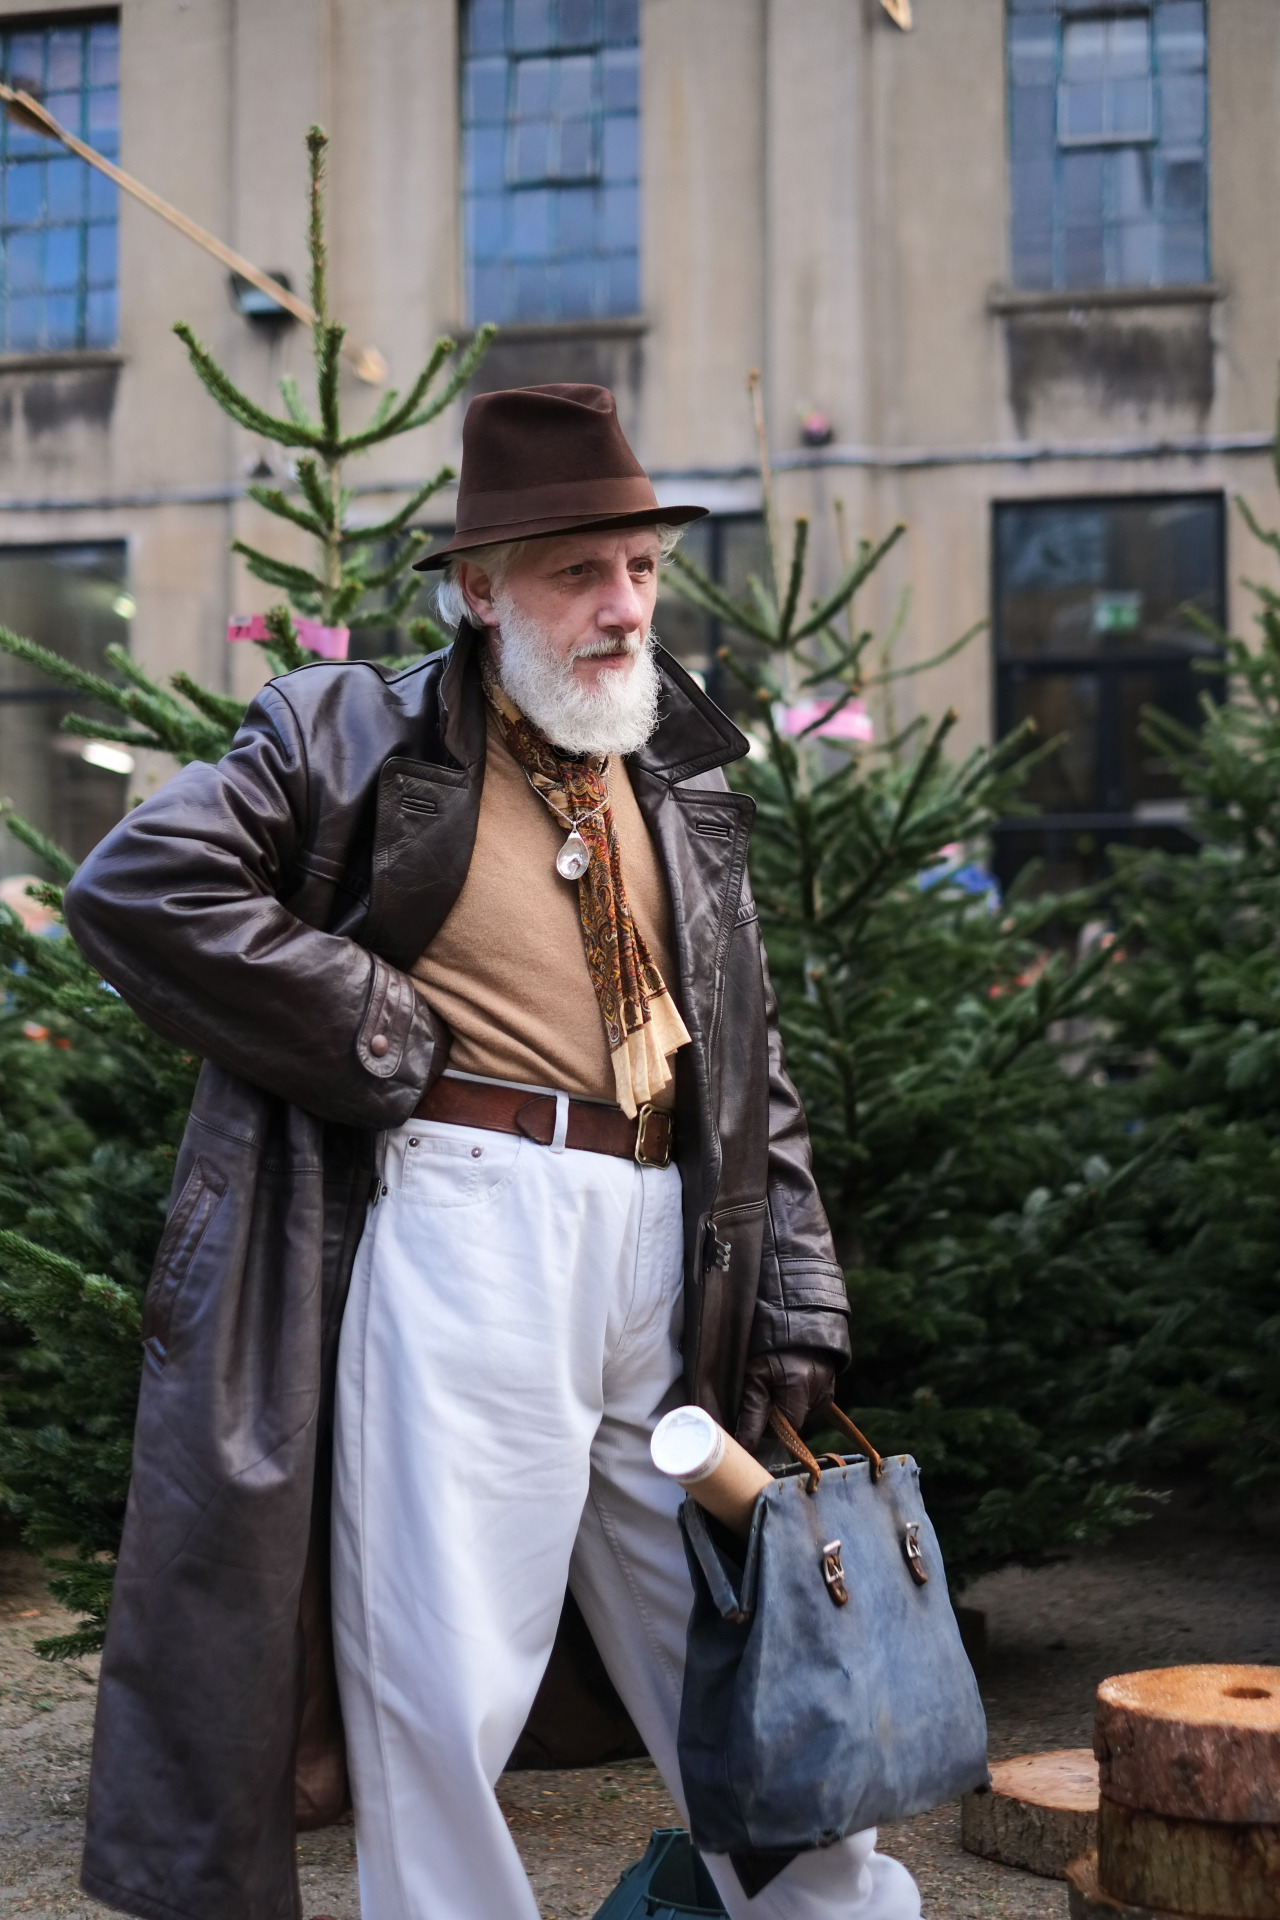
451 604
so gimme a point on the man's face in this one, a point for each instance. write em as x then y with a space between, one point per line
590 595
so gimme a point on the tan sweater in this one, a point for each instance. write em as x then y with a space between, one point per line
507 972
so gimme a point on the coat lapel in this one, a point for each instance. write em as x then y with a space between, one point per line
427 814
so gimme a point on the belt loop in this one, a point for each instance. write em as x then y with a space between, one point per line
560 1138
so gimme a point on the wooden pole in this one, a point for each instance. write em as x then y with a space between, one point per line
367 363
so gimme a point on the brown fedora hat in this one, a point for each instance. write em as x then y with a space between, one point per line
545 460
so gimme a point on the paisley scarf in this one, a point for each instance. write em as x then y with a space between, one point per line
641 1023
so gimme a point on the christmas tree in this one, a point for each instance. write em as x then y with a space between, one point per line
91 1102
981 1193
1194 1037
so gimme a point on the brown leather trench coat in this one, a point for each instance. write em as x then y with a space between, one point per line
261 913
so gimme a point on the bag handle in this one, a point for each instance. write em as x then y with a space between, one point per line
796 1447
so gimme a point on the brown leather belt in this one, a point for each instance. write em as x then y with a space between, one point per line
648 1139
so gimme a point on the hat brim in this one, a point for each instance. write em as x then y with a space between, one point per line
554 524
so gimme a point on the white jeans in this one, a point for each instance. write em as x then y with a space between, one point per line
508 1346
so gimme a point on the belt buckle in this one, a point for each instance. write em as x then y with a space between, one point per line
644 1115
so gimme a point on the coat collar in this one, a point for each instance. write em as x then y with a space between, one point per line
691 737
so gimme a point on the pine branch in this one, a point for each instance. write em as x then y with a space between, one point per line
464 367
826 610
36 842
278 573
284 649
397 420
792 599
384 529
424 632
221 708
275 502
244 411
297 412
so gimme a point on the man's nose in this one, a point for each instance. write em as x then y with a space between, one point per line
621 606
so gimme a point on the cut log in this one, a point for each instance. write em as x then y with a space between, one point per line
1193 1743
1040 1811
1087 1901
1191 1866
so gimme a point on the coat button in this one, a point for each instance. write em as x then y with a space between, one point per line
378 1045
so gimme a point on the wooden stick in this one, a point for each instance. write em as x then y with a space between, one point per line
367 362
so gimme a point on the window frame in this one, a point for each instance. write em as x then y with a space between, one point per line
1053 830
1152 149
563 279
89 336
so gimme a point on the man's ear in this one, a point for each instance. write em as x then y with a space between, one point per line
477 591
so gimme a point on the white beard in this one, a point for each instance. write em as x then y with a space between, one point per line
617 715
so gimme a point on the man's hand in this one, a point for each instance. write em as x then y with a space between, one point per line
796 1382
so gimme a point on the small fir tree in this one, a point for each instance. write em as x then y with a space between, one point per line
1194 1037
980 1195
92 1103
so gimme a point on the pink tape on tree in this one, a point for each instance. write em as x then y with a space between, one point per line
329 642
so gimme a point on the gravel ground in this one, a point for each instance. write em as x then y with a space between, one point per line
1183 1588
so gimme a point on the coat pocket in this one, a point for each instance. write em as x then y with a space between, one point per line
184 1230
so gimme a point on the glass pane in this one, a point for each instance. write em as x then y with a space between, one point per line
67 180
1128 47
1080 579
531 25
577 22
1061 704
62 258
104 55
1033 51
1084 51
1183 108
486 90
486 26
1180 36
24 192
63 597
1145 774
621 22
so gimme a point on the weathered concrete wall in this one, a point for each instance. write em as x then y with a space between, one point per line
823 197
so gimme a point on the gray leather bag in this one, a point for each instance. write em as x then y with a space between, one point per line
826 1687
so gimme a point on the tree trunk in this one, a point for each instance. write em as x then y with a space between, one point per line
1192 1743
1039 1813
1087 1901
1193 1866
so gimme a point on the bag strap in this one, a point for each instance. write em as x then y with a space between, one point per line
796 1447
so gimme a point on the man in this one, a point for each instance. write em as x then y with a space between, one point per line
493 1160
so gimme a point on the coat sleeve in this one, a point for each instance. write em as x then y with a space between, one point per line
802 1301
177 907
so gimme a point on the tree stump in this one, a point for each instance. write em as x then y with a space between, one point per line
1189 1818
1087 1901
1040 1812
1196 1743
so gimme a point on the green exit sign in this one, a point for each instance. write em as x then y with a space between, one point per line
1117 612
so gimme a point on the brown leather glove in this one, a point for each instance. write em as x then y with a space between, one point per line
796 1381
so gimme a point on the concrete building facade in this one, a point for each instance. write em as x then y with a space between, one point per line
1033 384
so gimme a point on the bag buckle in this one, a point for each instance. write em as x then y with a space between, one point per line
833 1573
914 1557
658 1122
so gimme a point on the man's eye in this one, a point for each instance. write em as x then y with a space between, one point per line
576 569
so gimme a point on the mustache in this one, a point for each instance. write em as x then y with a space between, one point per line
628 643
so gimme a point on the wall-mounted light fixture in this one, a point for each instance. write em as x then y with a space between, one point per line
257 306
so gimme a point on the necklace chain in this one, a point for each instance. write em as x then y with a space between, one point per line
583 819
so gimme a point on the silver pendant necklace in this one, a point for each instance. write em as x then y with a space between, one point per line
574 857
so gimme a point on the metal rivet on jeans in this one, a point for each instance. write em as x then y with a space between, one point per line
476 1152
413 1142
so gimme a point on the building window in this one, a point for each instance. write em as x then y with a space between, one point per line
1091 625
551 158
1108 143
58 280
73 599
